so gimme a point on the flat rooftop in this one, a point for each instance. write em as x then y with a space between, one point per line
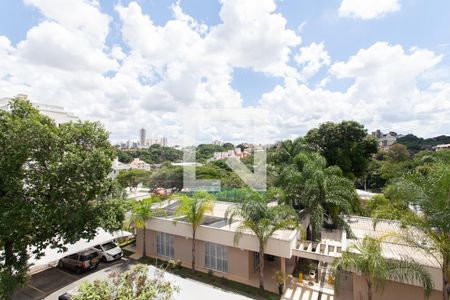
216 219
364 226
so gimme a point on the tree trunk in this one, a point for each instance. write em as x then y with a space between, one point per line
261 272
193 252
144 252
9 254
445 281
369 290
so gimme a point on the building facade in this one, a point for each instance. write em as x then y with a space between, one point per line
216 252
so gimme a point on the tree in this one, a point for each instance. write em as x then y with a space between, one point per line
53 187
131 178
262 220
397 153
366 258
133 284
194 209
141 211
319 190
421 201
344 144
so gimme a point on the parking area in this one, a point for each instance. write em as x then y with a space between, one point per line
47 282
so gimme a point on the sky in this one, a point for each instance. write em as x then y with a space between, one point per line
233 70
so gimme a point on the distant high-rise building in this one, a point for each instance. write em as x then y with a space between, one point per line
142 137
163 142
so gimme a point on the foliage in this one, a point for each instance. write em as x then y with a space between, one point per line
397 153
374 203
132 178
320 190
53 186
421 201
124 157
155 154
262 220
366 258
193 210
415 144
136 283
344 144
141 211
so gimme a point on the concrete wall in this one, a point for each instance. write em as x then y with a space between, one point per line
392 291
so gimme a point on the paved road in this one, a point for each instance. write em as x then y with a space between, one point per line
54 282
47 282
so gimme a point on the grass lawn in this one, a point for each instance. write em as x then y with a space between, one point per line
221 282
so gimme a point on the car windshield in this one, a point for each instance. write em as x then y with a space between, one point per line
108 246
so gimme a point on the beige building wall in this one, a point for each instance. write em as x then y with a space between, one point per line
392 291
240 262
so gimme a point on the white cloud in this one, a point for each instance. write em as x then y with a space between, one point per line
156 70
311 59
368 9
384 94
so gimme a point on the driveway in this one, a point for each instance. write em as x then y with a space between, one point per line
54 282
44 283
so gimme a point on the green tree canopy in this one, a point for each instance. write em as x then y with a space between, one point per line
319 190
421 201
53 186
344 144
132 178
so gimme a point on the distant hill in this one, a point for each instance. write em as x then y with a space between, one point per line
416 144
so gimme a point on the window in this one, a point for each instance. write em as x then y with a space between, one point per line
255 261
164 244
216 257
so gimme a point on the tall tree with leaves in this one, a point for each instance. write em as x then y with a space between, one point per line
53 187
344 144
141 211
421 201
319 190
261 219
366 258
193 210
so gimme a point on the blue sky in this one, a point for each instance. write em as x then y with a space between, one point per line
136 64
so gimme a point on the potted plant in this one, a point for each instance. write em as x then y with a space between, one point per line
280 278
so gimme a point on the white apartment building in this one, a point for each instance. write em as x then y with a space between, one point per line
57 113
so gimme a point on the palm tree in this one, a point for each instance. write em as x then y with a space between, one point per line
194 209
421 202
262 220
320 190
143 210
366 258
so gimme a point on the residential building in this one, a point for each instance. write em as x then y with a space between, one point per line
217 252
57 113
235 153
385 140
442 147
118 166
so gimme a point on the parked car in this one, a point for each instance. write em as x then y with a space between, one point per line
68 295
109 251
82 261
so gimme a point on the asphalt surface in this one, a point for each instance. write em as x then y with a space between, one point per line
49 281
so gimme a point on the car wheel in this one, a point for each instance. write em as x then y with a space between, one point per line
60 264
78 270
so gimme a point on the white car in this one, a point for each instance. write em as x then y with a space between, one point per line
109 251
